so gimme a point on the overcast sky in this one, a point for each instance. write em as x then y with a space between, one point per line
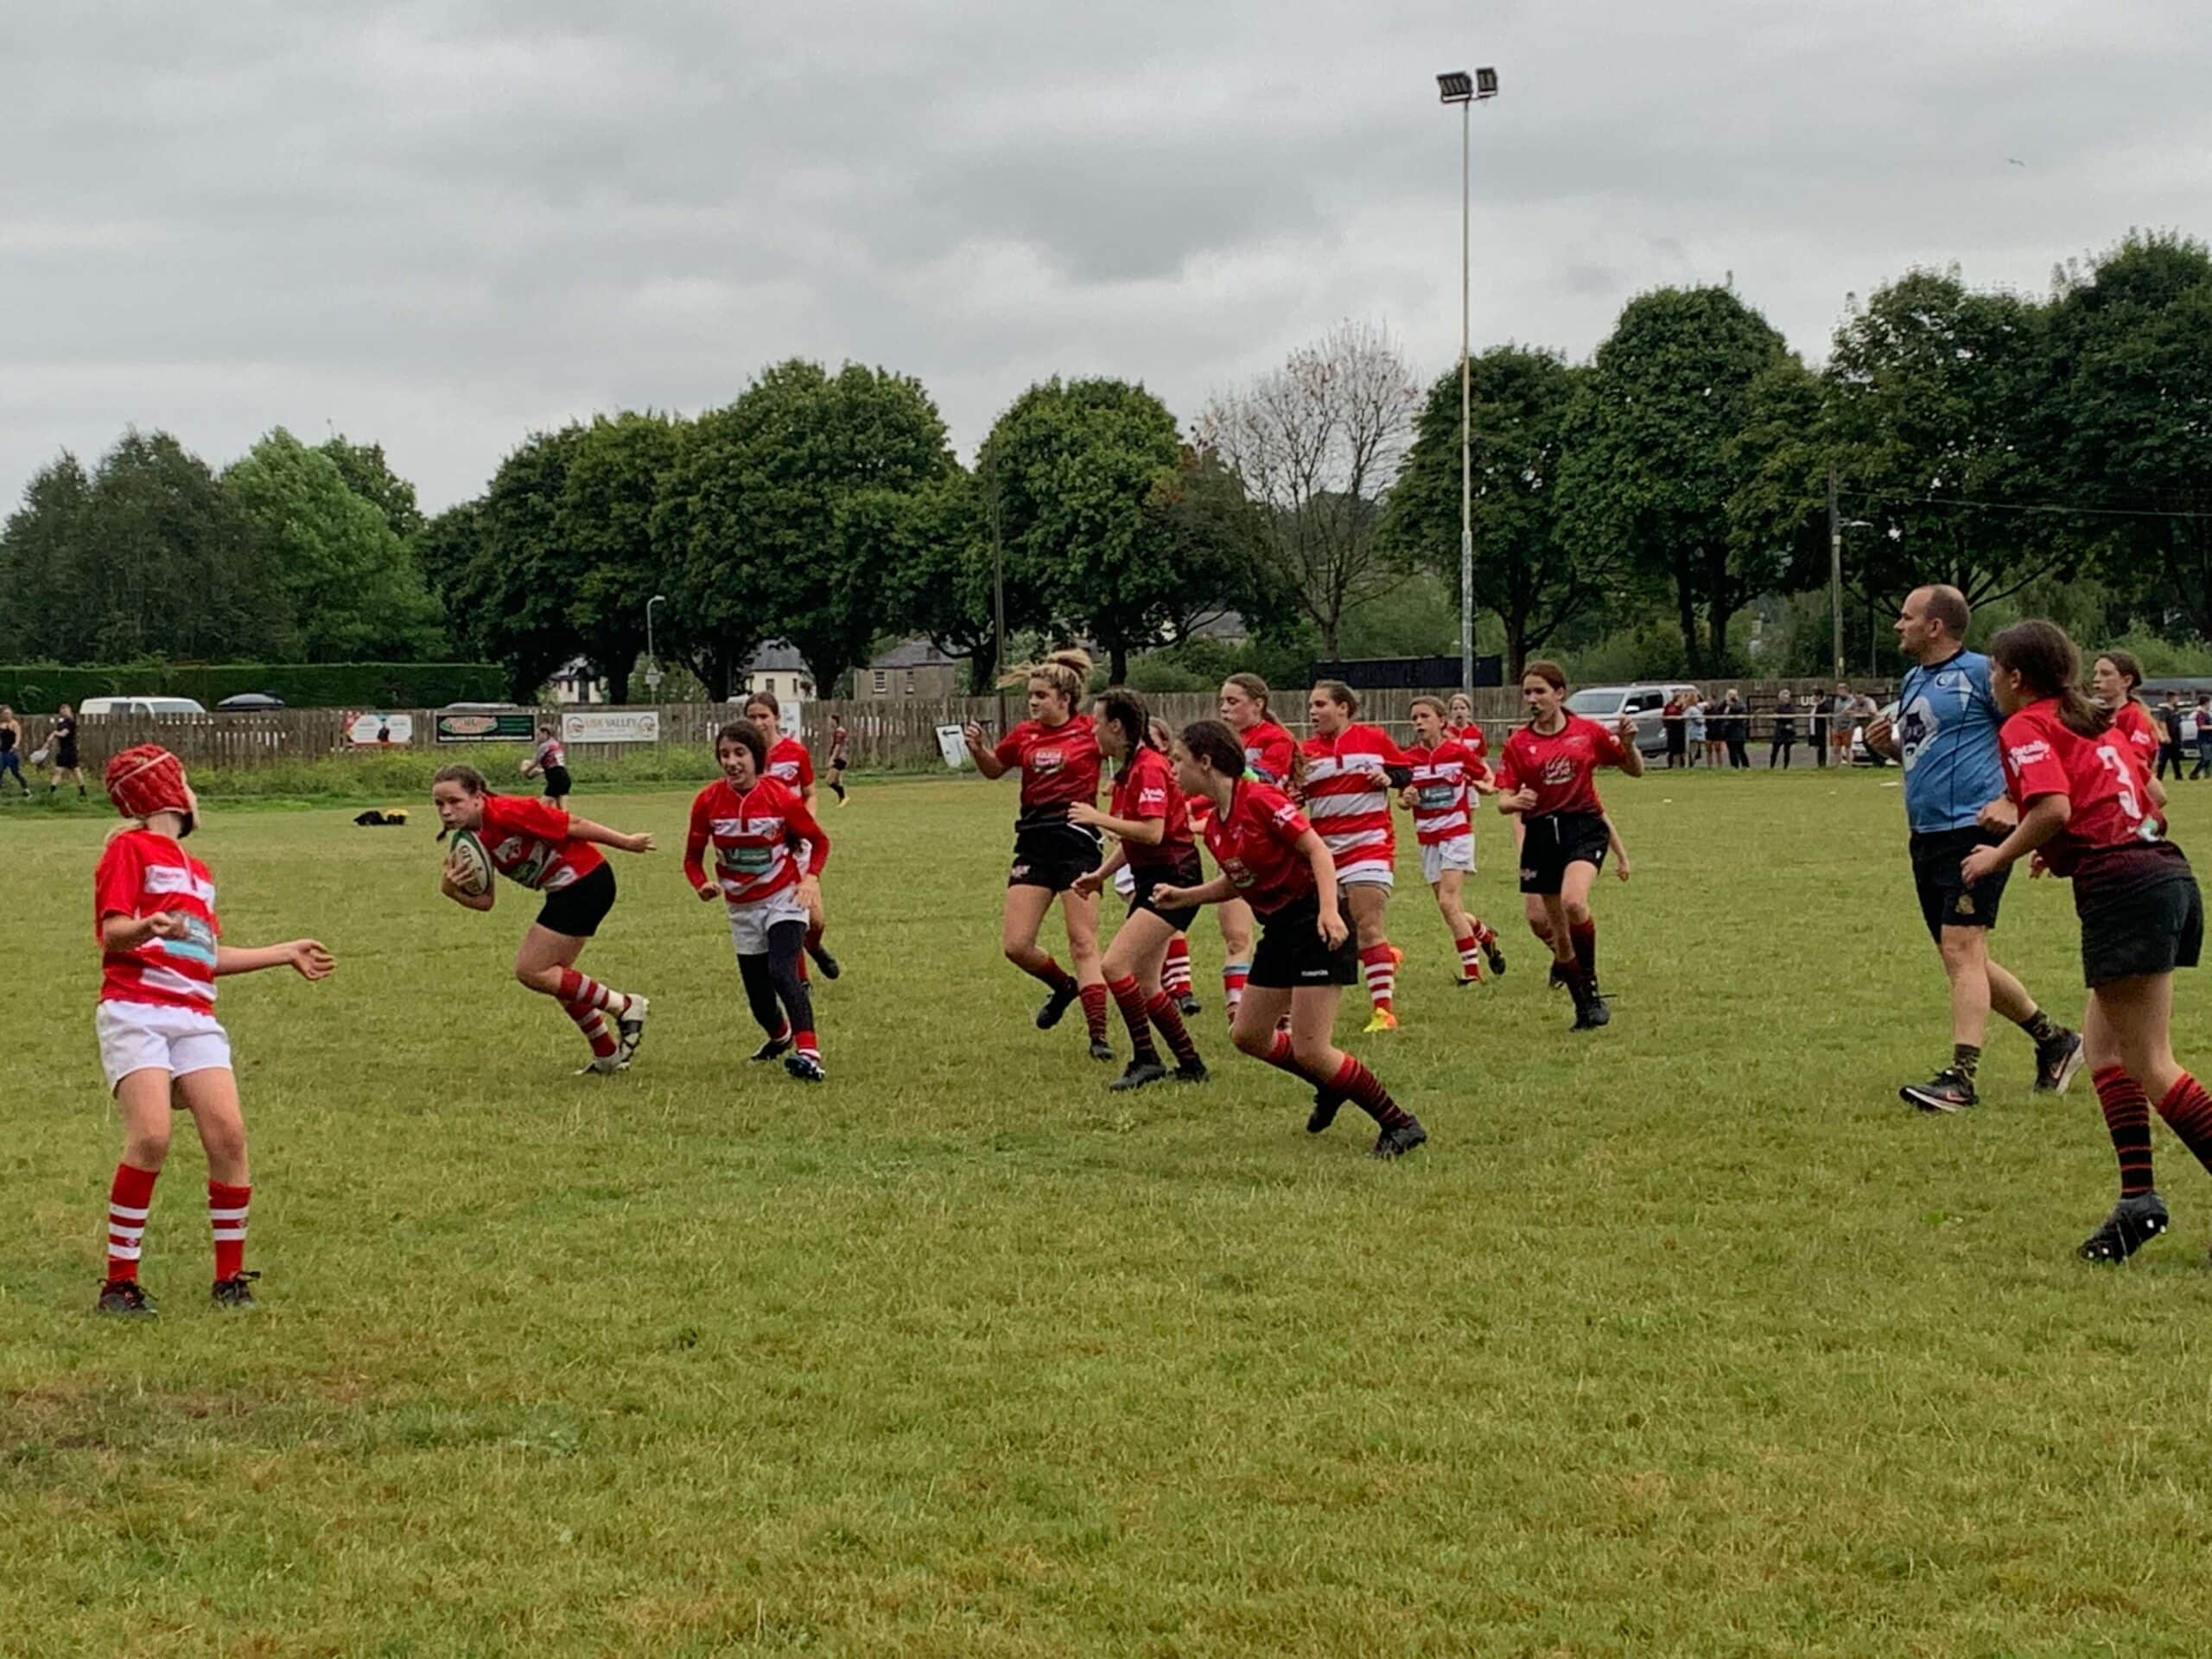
440 225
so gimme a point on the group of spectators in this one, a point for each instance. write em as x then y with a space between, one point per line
1719 731
2183 726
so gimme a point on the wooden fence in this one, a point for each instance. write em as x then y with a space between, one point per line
884 735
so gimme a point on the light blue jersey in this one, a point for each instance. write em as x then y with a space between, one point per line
1946 725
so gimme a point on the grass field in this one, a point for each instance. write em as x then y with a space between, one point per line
1685 1338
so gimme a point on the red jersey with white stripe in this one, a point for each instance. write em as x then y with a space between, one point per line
1441 780
763 839
551 753
141 874
789 763
1561 768
2133 722
528 842
1256 843
2104 781
1347 794
1059 765
1146 789
1472 736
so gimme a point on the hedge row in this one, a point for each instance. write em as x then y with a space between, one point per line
38 687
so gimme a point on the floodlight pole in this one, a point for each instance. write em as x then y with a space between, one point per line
1465 90
1835 571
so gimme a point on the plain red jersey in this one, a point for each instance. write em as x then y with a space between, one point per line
1441 780
2133 721
1561 768
1146 789
1347 794
789 763
1256 843
528 842
2104 781
763 839
141 874
1269 751
1059 765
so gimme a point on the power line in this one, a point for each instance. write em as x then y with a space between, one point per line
1871 503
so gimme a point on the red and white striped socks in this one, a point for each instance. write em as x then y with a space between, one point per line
1234 976
588 1003
1378 966
129 1199
1470 956
1175 971
226 1209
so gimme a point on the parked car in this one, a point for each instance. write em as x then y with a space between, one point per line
251 699
1861 755
92 708
1607 704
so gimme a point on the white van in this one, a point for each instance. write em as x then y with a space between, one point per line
1608 704
92 707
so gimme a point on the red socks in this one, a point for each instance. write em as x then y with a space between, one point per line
1094 1011
1360 1086
2188 1111
1175 972
1234 975
226 1208
1134 1014
577 987
129 1199
1470 956
1584 937
2127 1116
1378 966
590 1021
1054 975
1169 1018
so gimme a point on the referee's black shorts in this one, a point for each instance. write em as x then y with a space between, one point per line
1945 899
1551 840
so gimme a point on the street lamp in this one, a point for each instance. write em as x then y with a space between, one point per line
1837 525
653 659
1460 87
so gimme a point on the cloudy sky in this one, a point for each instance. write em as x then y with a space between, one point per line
440 226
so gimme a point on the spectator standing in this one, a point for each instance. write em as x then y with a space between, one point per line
1843 711
63 743
11 739
1674 722
1737 718
1823 718
2170 739
1785 730
1697 728
2189 729
2203 767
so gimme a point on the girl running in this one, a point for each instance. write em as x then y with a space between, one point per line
840 742
1445 772
1152 824
2084 810
2114 678
790 764
1056 751
1348 778
769 853
552 852
66 764
1270 755
1548 774
550 760
1273 859
162 1049
1175 967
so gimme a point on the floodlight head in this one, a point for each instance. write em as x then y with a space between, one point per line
1485 83
1457 87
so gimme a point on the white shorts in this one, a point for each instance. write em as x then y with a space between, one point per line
1456 854
144 1036
1366 875
749 923
1125 882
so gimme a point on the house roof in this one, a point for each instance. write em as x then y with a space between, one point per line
776 658
914 653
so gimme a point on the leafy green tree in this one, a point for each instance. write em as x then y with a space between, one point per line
516 586
46 616
2127 426
369 475
611 487
350 583
1537 580
1658 453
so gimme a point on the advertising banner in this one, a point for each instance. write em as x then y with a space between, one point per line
519 727
374 731
611 726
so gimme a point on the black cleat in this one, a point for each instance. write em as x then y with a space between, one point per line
1192 1071
124 1297
2057 1061
1494 954
1056 1005
1140 1072
1398 1141
2133 1224
1326 1102
1591 1012
804 1067
770 1050
1558 981
1946 1092
630 1029
237 1291
824 961
1189 1005
1102 1049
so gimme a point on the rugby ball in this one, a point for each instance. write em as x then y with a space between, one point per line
473 866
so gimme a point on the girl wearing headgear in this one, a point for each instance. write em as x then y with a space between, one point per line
162 1048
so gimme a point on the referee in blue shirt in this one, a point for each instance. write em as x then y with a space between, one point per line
1945 735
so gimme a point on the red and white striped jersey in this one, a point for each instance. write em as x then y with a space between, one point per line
1441 776
528 842
764 840
141 874
1347 794
1473 736
789 763
551 753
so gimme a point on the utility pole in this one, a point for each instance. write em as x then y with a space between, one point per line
1835 571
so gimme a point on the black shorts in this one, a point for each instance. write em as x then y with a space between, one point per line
1185 872
2140 911
65 757
557 781
576 910
1291 954
836 763
1945 899
1554 840
1052 855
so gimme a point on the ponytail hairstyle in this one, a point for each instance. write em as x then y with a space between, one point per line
1253 688
1066 670
1340 694
1123 709
2130 667
1211 742
2048 666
